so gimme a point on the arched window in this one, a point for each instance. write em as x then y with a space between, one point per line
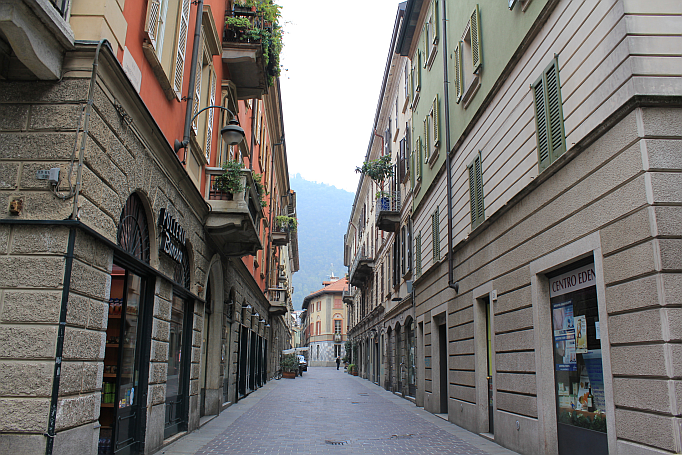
133 231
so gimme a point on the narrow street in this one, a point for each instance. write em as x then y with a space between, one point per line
328 412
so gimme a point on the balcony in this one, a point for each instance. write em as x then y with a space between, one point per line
243 52
348 297
38 36
362 268
337 338
234 218
388 206
281 232
278 301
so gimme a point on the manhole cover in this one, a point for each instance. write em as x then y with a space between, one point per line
335 443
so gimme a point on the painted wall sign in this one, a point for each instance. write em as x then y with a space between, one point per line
173 236
572 281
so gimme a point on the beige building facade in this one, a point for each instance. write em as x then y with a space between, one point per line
325 323
545 298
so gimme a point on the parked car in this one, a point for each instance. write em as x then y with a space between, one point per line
302 364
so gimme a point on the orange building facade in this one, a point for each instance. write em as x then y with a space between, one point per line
147 261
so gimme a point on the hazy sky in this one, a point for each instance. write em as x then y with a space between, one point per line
334 57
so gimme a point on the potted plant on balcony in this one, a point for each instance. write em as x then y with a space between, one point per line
289 366
260 188
384 200
286 223
378 170
230 181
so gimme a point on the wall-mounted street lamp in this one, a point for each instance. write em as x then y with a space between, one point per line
231 133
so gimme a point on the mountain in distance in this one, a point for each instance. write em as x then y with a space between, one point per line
322 211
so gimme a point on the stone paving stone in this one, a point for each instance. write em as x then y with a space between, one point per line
299 416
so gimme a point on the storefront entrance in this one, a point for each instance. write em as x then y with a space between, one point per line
578 372
177 383
124 385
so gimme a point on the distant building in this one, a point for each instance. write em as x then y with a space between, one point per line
324 322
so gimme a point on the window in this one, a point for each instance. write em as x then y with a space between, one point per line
435 235
416 79
432 132
319 306
468 60
431 35
318 326
417 159
403 264
549 117
337 326
418 254
396 261
167 19
476 191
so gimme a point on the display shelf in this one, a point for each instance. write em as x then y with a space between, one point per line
114 316
109 375
107 405
112 345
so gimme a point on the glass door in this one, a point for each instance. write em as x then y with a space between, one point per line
122 415
177 381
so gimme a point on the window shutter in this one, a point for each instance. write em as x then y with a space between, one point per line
475 30
418 70
411 85
197 86
476 191
435 23
435 235
541 124
554 111
418 254
181 48
459 79
427 148
412 173
151 25
421 158
436 121
427 45
209 123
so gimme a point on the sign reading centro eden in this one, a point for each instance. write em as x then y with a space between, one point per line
172 236
572 281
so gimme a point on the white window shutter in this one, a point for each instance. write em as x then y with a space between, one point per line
181 48
209 123
197 86
151 25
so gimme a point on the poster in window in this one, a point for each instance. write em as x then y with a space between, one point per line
580 334
564 335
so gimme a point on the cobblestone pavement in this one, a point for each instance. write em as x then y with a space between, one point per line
329 412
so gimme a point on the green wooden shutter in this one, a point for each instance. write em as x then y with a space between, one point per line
557 141
475 29
435 22
411 85
435 235
427 45
427 142
541 124
413 168
476 192
421 157
459 79
418 71
436 121
418 254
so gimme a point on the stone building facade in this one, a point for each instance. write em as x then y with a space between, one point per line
131 308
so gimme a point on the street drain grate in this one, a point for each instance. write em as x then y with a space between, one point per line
335 443
401 436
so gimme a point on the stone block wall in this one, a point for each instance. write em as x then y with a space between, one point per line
625 188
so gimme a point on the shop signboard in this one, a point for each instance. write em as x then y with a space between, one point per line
173 236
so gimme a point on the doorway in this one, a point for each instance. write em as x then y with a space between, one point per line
177 382
124 382
443 367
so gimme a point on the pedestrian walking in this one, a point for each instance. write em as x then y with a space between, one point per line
338 362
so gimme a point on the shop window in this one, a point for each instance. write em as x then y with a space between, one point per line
549 117
133 232
578 371
476 191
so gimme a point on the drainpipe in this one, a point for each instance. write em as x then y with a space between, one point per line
451 279
253 131
192 80
52 419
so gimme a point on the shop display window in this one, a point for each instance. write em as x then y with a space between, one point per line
578 372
